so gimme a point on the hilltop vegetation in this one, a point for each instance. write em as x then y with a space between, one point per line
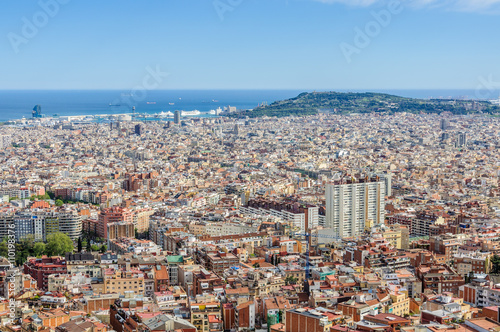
346 103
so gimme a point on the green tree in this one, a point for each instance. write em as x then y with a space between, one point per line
22 254
4 248
103 249
291 280
79 244
58 244
39 249
95 247
28 243
59 202
89 247
495 264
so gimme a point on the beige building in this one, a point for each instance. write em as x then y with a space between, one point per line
398 236
120 282
400 304
141 219
206 313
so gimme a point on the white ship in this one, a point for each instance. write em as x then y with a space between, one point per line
190 113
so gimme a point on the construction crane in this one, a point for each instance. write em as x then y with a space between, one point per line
307 236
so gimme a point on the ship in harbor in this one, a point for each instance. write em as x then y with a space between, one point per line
190 113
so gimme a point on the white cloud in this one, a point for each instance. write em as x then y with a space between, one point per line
484 6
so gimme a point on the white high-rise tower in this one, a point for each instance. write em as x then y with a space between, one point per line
350 204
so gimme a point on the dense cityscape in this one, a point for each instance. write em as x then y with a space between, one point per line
249 166
360 222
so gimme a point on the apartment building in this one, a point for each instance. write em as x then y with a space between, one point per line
41 268
439 278
403 219
206 314
112 215
421 224
220 261
38 224
299 217
118 230
475 262
307 319
351 203
481 293
70 223
141 219
121 282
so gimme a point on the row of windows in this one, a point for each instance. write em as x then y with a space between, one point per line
125 288
124 282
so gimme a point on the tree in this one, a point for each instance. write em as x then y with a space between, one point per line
39 249
89 247
59 202
495 264
58 244
103 249
290 280
4 248
95 247
22 254
79 244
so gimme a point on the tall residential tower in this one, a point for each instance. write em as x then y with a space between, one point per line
353 204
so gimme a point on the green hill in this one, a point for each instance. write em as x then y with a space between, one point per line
346 103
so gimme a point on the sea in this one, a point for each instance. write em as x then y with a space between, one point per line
16 104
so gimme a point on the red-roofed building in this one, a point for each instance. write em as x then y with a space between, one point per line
41 268
161 278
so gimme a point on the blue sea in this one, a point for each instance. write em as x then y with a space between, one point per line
15 104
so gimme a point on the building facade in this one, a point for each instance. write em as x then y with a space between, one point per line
351 204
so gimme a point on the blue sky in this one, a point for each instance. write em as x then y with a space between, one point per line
249 44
